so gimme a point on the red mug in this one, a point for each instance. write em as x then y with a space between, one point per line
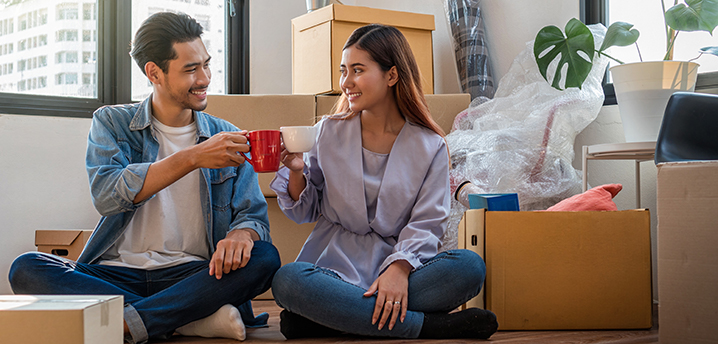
265 148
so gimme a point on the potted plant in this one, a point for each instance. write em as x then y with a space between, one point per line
642 88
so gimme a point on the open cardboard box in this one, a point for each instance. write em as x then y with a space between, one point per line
66 243
61 319
563 270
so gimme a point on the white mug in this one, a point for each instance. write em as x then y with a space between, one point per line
298 139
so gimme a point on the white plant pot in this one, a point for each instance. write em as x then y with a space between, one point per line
643 90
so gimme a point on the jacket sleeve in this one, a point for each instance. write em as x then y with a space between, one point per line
114 179
420 239
249 207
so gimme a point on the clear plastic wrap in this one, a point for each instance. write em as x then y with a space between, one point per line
472 56
522 140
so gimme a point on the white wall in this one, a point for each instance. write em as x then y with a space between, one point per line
43 183
509 25
271 42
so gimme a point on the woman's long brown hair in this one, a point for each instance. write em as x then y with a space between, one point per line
388 47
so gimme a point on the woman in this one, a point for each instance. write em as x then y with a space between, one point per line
377 183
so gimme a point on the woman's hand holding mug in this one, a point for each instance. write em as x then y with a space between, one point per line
293 161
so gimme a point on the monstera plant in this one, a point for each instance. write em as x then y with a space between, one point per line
576 47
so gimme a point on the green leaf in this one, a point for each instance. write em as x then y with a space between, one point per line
551 42
619 34
699 15
710 50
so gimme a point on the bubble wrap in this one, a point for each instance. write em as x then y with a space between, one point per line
522 140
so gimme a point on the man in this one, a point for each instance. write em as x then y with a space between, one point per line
184 233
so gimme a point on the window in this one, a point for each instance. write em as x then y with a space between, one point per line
66 78
204 21
204 15
61 89
66 57
88 11
647 18
67 11
71 57
67 35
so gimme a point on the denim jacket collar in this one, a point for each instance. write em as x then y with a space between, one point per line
143 117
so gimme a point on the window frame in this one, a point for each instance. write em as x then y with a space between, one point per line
594 12
114 65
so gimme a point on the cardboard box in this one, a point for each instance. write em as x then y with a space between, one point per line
563 270
319 36
687 202
61 319
66 243
443 107
255 112
287 236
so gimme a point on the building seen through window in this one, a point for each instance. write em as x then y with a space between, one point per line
51 47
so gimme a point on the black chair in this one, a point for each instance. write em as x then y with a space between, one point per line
689 130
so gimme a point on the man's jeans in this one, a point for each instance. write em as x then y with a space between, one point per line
157 301
440 285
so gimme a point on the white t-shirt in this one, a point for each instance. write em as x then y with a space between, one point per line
169 229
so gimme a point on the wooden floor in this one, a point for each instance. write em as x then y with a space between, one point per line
271 334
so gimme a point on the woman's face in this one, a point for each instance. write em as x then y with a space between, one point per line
362 80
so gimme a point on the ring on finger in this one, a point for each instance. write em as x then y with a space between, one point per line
397 302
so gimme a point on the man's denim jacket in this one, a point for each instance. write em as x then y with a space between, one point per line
120 148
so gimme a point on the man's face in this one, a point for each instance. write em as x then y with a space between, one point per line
188 76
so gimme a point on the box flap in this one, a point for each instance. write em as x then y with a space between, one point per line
64 237
365 15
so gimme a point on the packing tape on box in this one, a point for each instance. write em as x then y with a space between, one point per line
104 313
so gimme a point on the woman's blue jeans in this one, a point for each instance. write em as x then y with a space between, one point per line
440 285
156 301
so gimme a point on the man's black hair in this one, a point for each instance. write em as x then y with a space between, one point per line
158 33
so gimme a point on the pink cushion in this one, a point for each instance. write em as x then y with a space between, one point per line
598 198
